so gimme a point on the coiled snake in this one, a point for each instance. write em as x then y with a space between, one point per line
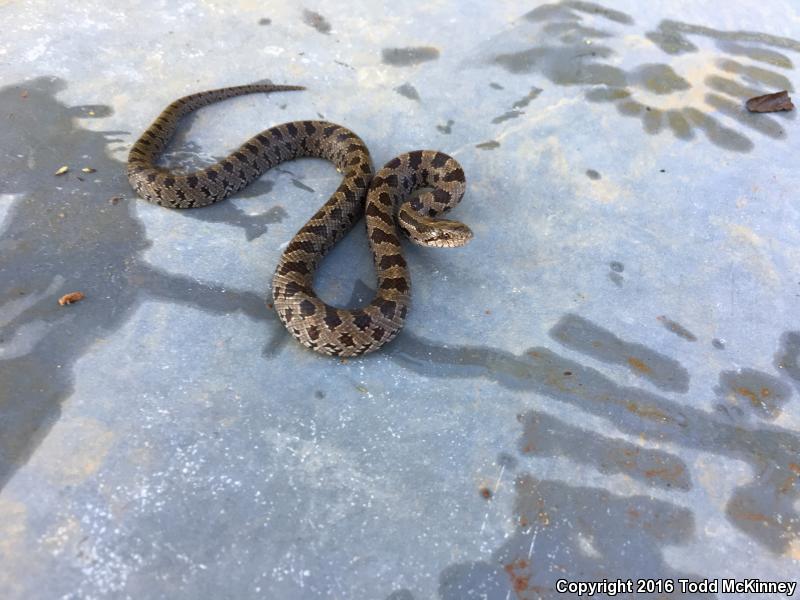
386 199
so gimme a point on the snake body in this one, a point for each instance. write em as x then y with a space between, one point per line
387 199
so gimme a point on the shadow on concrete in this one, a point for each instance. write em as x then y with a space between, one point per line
61 234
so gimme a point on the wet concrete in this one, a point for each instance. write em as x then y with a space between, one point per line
603 384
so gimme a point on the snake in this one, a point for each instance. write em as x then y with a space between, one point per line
406 196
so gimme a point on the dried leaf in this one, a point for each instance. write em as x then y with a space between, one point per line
62 170
88 170
770 103
71 298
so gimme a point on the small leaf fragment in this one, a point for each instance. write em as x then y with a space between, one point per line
71 298
770 102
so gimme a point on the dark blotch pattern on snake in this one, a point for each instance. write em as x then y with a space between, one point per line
387 200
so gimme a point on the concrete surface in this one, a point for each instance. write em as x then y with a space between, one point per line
603 384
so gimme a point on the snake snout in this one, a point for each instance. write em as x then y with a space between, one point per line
448 234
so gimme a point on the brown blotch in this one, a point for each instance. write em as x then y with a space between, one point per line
379 237
385 199
347 340
319 230
441 196
439 160
392 260
304 245
456 174
293 267
362 321
388 308
394 283
374 211
307 308
293 288
332 319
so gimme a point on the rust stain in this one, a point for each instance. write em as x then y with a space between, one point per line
754 516
647 412
518 581
787 484
639 365
665 473
791 480
750 395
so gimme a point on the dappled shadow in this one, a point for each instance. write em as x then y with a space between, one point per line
61 234
678 85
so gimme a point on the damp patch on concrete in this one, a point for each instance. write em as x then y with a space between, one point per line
577 333
406 57
677 328
408 91
317 21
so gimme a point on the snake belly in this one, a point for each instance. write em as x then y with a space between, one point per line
387 200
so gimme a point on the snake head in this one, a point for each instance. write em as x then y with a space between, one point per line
442 233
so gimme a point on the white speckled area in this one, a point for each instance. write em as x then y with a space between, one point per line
603 384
